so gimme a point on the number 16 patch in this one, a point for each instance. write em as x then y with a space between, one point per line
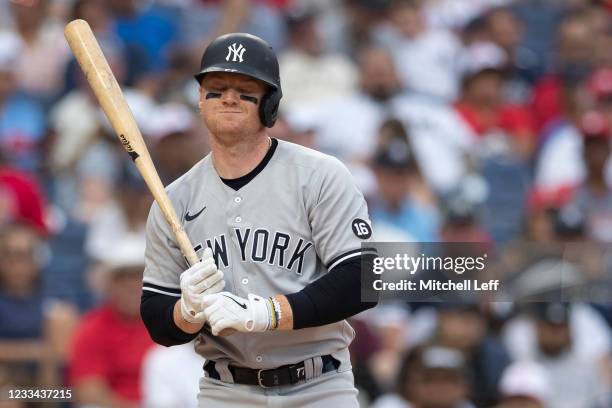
361 228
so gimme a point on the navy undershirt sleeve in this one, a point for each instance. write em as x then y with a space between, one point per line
157 312
317 304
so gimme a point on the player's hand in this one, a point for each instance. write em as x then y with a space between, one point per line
228 311
201 279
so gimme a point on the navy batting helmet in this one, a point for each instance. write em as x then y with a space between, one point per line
246 54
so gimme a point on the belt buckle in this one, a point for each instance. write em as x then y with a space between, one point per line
259 379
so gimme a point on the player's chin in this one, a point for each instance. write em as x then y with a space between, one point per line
229 128
234 126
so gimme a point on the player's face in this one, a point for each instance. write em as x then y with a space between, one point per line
229 104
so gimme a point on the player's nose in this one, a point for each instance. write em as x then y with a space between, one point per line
230 96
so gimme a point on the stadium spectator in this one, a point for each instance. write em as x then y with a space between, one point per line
170 377
22 199
122 219
506 30
403 200
575 41
524 384
347 127
111 341
177 142
456 15
463 327
503 128
571 343
146 27
309 74
84 149
565 141
357 24
22 121
461 221
505 138
203 20
540 212
593 196
133 58
438 52
391 323
40 66
562 142
430 376
35 329
540 21
443 143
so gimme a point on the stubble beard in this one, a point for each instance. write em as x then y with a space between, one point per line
228 136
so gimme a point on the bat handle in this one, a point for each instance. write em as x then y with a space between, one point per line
185 246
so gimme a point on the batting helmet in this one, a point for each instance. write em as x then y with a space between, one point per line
246 54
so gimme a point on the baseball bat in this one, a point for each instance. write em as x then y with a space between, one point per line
101 79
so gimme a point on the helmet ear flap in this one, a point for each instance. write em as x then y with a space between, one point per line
268 110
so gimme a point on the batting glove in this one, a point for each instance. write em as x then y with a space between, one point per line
228 311
201 279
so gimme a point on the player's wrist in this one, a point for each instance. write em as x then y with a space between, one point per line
184 325
189 315
285 314
275 313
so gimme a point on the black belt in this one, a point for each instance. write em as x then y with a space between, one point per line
284 375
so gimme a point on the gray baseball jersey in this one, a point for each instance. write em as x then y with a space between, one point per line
301 216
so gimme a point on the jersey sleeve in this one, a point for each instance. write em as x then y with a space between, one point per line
339 216
164 261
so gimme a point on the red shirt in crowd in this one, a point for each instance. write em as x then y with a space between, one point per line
547 101
514 119
109 347
27 199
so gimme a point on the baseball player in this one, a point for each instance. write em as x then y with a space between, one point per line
280 229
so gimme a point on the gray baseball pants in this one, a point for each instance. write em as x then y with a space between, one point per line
330 390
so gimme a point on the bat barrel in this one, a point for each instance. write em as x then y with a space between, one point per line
108 92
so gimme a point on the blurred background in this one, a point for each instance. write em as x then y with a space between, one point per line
461 121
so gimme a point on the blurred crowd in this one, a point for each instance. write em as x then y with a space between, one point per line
461 121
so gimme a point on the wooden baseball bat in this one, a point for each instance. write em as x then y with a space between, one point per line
101 79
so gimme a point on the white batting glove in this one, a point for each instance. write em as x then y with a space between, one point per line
199 280
228 311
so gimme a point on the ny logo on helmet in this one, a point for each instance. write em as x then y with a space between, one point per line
235 52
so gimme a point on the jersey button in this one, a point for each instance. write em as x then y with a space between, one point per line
238 219
245 281
237 199
259 359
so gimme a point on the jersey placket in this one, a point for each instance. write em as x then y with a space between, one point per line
236 219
